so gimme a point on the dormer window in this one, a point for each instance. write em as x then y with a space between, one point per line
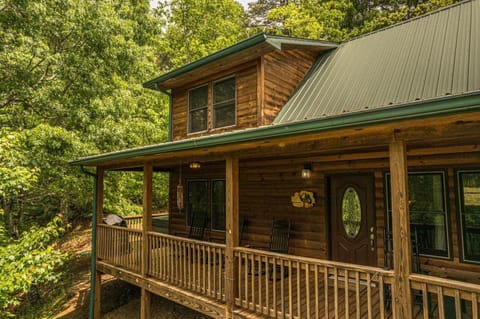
198 109
221 105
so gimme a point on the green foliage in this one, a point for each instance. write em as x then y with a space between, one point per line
334 20
193 29
28 265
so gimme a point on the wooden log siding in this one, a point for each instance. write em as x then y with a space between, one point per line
285 286
283 71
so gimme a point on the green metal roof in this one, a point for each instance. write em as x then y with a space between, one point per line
428 57
277 42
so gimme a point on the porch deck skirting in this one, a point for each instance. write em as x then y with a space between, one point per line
267 285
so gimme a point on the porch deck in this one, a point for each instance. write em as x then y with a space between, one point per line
271 285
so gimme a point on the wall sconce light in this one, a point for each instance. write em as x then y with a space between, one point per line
195 165
306 171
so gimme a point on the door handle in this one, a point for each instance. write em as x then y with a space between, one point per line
372 238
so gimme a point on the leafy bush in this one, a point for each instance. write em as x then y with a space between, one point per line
29 264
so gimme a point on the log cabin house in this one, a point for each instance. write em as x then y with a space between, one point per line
369 148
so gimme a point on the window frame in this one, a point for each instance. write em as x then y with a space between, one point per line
209 200
212 181
460 224
190 111
214 127
187 210
446 212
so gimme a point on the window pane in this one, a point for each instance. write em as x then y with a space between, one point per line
218 205
426 192
224 116
198 120
198 98
224 91
470 211
428 214
197 198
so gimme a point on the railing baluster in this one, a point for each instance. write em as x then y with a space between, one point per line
441 312
369 295
325 294
317 292
357 293
347 305
299 296
474 305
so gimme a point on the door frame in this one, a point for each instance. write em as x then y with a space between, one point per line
329 215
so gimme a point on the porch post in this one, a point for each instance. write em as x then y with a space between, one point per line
146 227
401 230
99 217
231 237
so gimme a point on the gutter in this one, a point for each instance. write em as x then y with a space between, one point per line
170 109
448 105
93 258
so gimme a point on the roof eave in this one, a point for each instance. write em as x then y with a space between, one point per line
276 42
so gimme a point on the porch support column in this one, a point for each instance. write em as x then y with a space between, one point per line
401 230
231 237
146 227
97 276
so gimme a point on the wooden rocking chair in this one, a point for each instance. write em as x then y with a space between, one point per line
279 242
198 223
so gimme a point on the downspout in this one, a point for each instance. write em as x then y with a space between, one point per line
93 260
170 110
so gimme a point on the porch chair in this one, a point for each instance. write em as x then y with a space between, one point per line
279 241
198 223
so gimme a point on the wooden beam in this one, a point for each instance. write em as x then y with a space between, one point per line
146 227
231 266
401 230
99 211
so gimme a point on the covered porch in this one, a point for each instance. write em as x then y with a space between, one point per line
227 275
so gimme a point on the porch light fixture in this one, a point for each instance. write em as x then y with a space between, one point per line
306 171
195 165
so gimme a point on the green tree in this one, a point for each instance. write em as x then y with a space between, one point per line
71 86
196 28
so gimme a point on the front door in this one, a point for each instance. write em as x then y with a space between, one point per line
352 219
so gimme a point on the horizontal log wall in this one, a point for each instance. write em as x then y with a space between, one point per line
283 71
266 186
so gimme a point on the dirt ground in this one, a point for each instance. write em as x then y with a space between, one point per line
120 300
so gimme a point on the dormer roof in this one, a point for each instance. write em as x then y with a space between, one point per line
239 53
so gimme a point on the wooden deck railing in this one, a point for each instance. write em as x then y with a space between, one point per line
135 222
444 298
120 246
278 285
190 264
285 286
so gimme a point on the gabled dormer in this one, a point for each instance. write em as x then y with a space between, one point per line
239 87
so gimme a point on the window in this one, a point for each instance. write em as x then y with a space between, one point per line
469 194
224 103
428 213
198 109
207 197
197 198
218 205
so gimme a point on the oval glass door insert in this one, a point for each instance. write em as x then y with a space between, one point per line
351 212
